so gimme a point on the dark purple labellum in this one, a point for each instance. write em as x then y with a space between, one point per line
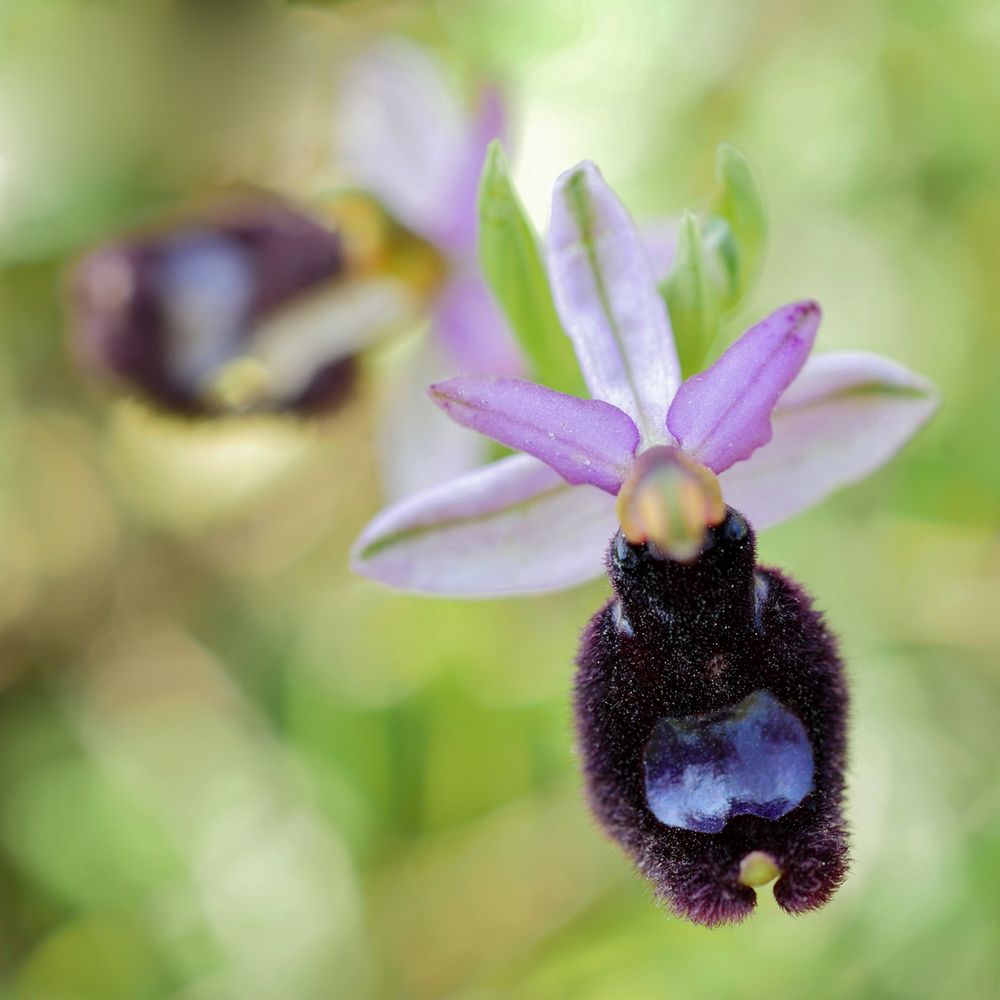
753 759
165 313
723 665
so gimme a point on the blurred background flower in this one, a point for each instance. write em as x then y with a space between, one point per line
231 770
403 135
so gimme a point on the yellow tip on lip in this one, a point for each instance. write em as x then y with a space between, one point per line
241 385
757 869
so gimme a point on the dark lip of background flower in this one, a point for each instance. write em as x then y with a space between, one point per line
271 252
650 654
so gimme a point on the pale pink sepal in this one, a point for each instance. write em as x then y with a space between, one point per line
510 528
845 416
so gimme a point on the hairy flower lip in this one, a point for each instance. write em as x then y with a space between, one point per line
702 636
733 527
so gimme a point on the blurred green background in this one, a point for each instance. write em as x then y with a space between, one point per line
228 769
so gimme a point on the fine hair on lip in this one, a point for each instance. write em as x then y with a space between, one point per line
684 620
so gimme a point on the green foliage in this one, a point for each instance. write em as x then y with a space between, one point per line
692 295
383 800
741 206
716 260
512 263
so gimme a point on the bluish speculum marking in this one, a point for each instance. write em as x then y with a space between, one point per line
753 758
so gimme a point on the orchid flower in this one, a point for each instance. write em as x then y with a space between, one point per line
779 429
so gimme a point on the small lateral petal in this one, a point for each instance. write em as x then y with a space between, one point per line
512 527
846 415
584 440
606 296
724 414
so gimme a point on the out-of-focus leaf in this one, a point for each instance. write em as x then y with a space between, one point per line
693 296
715 261
95 955
512 264
740 204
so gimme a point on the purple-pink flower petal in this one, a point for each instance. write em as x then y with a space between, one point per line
659 237
402 134
846 414
723 415
459 217
512 527
584 440
605 293
472 330
419 446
